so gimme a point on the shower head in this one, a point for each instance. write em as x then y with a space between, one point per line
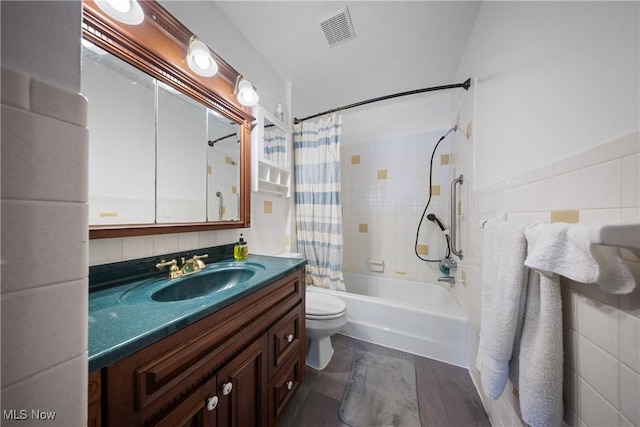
433 218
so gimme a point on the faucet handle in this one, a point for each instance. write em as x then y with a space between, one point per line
197 258
173 263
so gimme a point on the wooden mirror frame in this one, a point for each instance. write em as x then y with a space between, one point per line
158 47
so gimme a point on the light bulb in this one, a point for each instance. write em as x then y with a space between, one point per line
122 6
202 61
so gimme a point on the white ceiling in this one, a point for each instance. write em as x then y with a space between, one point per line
399 46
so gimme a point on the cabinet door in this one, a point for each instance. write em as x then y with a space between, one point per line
200 409
242 387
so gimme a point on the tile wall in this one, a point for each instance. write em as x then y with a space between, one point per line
601 331
385 187
44 257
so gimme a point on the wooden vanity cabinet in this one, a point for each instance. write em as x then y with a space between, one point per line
239 366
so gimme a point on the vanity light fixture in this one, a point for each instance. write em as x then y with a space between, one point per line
199 58
126 11
245 92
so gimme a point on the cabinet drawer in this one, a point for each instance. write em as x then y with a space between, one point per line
284 385
285 337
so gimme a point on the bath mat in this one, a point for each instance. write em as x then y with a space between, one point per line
381 392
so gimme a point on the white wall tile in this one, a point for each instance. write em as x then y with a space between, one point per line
31 229
52 101
599 369
166 243
105 251
594 409
600 185
564 191
599 323
35 166
24 313
619 147
631 180
630 394
15 88
630 341
137 247
62 388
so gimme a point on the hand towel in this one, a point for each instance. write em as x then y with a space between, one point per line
565 249
503 297
540 356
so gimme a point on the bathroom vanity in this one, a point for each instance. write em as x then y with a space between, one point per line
232 359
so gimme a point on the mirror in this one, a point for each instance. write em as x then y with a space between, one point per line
169 150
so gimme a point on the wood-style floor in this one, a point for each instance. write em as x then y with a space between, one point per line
446 394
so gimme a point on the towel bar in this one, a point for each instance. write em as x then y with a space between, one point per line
623 236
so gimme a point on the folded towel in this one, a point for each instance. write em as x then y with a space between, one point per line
565 249
502 303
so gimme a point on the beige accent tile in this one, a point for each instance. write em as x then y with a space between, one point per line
57 102
108 214
228 160
355 159
31 229
423 249
224 210
401 273
268 207
463 277
469 130
287 241
435 190
444 159
571 217
209 169
234 189
48 169
61 308
363 228
15 88
382 174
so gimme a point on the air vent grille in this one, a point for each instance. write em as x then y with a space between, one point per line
337 27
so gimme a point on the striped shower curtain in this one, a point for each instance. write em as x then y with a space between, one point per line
317 197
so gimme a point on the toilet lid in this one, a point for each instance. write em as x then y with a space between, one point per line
323 305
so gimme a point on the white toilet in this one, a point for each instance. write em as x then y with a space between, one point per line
325 316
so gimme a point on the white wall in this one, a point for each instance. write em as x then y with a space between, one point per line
540 147
44 213
553 79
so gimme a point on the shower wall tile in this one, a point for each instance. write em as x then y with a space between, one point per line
600 185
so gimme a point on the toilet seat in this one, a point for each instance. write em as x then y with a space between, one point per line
320 306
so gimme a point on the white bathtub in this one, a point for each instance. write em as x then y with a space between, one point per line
415 317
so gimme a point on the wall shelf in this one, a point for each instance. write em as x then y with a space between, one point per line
270 155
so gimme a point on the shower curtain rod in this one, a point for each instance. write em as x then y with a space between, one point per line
464 85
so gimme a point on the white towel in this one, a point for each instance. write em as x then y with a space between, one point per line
539 358
565 249
502 303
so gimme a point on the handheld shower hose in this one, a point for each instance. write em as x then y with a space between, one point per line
432 217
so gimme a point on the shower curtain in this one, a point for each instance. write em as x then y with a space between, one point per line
317 197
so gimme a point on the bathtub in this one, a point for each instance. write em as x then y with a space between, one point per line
415 317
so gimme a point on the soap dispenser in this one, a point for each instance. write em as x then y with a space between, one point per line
241 250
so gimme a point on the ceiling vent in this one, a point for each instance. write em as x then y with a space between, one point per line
337 27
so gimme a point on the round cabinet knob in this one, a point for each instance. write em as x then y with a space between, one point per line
289 385
212 402
290 337
226 388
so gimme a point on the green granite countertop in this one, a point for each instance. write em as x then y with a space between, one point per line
124 319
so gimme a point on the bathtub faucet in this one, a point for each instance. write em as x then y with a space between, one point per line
447 279
446 264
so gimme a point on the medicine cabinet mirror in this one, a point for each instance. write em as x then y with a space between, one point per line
169 150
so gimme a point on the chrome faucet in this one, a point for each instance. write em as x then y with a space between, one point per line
446 264
190 266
